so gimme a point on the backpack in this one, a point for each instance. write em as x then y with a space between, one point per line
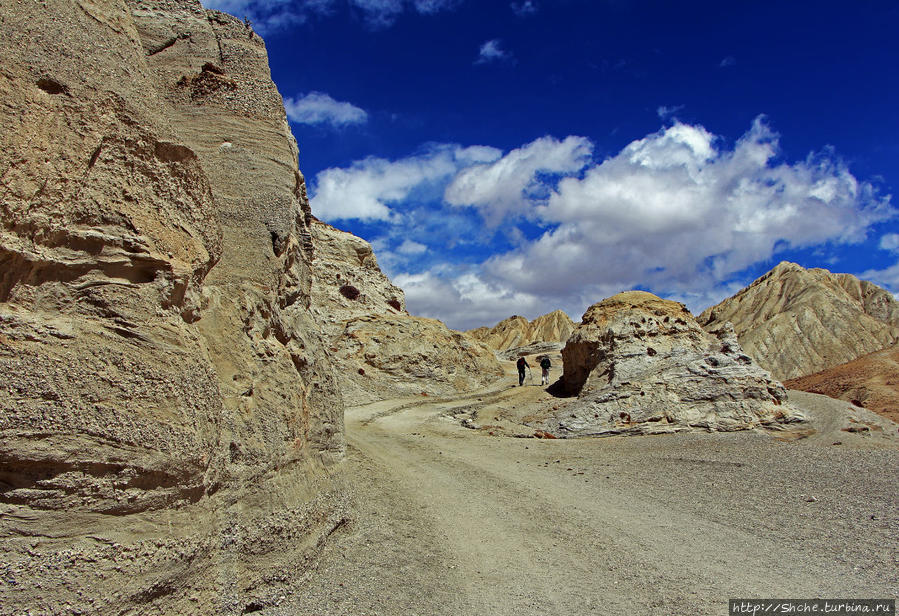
545 363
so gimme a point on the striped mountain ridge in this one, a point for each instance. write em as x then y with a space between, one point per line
795 321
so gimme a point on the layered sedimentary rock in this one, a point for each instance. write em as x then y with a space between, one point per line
381 351
639 364
516 331
169 418
795 321
871 381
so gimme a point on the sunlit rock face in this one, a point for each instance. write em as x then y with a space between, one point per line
171 424
795 321
382 351
516 331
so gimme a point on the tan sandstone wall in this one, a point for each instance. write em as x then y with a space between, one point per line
169 419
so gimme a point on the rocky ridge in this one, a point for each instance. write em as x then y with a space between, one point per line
380 350
517 331
795 321
638 364
170 419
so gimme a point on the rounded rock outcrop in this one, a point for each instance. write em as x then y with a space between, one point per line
639 364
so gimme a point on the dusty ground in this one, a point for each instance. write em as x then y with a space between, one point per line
451 520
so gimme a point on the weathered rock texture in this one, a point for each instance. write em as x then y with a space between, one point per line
871 381
795 321
639 364
382 351
169 418
516 331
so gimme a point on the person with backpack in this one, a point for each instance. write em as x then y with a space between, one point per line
545 365
522 364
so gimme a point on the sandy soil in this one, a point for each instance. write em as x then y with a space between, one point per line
450 520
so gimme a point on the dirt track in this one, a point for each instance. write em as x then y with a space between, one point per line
454 521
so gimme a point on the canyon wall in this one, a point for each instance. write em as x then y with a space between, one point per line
170 423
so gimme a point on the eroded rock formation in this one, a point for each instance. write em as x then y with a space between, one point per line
639 364
516 331
169 417
795 321
382 351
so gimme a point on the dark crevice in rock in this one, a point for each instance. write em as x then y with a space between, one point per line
51 86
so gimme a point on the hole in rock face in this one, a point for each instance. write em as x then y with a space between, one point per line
349 291
651 351
51 86
394 303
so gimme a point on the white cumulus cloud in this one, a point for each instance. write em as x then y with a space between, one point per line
367 189
678 213
508 185
319 108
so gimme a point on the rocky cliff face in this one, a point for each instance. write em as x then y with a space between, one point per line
169 418
795 321
381 351
642 365
516 331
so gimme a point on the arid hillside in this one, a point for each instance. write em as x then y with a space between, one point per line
795 321
871 381
516 331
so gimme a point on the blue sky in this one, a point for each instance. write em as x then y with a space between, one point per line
515 157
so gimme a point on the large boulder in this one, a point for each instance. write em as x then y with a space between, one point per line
639 364
170 425
795 321
380 349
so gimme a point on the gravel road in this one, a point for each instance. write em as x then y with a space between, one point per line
454 521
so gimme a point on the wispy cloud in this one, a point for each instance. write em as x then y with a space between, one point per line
668 112
890 242
492 51
728 61
319 108
271 15
411 247
525 8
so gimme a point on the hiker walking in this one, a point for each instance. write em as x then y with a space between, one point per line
545 365
522 364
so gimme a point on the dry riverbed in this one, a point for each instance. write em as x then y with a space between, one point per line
449 520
